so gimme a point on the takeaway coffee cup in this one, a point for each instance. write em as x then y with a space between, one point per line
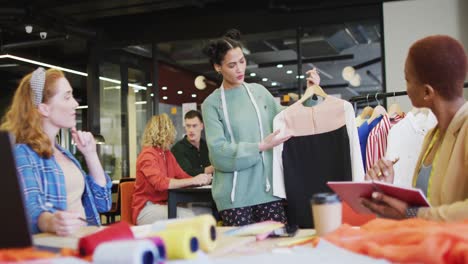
326 211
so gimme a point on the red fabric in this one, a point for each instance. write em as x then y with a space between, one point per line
155 169
118 231
406 241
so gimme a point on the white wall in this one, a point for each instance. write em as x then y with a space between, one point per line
407 21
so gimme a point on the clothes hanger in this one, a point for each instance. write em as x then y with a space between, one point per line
310 91
394 108
367 111
378 111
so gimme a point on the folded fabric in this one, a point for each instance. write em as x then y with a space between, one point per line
406 241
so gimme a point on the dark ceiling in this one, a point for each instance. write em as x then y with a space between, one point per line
335 34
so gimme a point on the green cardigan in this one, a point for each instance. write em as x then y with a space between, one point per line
244 155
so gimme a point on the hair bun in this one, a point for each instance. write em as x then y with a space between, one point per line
233 34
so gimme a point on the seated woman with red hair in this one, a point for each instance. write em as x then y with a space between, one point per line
435 71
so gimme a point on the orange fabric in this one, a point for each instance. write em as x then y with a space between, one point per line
126 196
155 169
354 219
22 254
406 241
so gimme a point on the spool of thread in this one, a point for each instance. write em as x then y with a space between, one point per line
180 243
161 247
126 252
118 231
204 226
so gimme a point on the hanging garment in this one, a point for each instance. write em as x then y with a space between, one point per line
363 132
324 147
377 141
405 141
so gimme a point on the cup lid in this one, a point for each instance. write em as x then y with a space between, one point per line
322 198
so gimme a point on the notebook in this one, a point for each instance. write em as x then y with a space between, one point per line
14 221
350 192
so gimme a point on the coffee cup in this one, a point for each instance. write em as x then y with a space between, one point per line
326 211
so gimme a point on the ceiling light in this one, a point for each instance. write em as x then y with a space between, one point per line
194 95
265 79
179 92
348 73
152 94
356 80
150 84
279 66
289 72
28 28
164 88
134 86
82 107
302 76
164 97
274 83
140 102
253 74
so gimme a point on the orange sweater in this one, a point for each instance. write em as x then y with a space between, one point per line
155 169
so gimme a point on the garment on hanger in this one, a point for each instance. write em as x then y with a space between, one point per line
377 140
363 132
404 140
324 147
360 121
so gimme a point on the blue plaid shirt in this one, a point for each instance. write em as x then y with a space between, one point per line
43 182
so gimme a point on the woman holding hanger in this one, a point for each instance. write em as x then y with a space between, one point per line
436 82
238 123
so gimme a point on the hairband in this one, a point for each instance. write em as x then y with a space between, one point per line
37 84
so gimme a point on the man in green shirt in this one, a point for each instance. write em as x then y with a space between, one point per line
192 152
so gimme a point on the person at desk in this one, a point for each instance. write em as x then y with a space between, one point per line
192 152
238 123
435 71
158 171
60 197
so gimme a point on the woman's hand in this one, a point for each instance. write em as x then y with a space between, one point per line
84 141
202 179
65 223
272 141
386 206
313 77
382 171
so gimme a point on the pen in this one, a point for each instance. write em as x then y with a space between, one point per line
393 163
50 205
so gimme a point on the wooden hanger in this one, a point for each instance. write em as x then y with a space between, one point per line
310 91
394 108
378 111
367 111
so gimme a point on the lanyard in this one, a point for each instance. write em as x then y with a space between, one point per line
228 124
431 146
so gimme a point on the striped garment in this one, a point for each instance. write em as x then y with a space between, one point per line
377 141
44 183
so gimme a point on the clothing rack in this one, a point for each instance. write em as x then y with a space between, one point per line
373 97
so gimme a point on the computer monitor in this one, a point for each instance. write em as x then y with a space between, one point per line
14 222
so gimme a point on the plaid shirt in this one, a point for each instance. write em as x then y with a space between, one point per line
43 182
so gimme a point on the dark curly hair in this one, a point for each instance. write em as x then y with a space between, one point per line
217 49
441 62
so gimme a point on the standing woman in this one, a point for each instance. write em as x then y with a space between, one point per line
60 196
238 123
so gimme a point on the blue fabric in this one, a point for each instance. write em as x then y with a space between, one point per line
364 131
43 182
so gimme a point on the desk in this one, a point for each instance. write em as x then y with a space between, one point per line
234 250
187 195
